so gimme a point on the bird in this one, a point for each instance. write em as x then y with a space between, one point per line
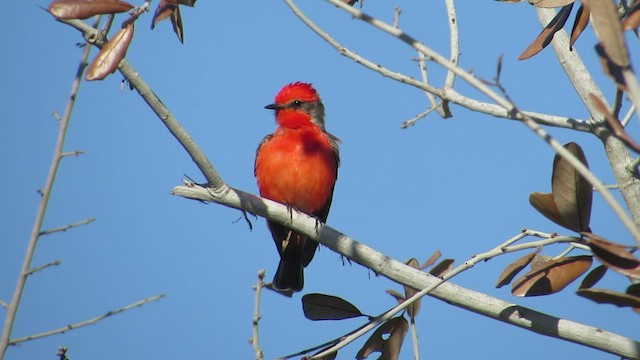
297 165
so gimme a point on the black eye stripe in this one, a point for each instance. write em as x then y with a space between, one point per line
295 104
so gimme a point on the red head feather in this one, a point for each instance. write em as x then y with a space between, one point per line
297 91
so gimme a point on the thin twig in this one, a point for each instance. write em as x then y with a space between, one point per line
610 187
42 267
72 153
396 16
507 105
256 316
414 340
501 249
87 322
415 119
627 117
565 252
422 64
12 309
445 94
4 304
455 295
162 112
67 227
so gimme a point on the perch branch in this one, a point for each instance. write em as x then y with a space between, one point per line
471 300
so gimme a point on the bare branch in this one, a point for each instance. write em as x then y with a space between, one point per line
67 227
501 249
377 262
4 304
256 316
87 322
470 300
582 81
168 119
445 94
72 153
514 112
42 267
422 63
413 120
12 309
625 120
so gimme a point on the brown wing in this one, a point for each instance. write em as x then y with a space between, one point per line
255 162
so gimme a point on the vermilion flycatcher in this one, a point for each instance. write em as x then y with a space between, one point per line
297 165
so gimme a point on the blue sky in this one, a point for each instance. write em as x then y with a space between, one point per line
460 185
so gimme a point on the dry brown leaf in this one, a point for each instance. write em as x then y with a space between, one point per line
442 268
83 9
555 276
632 20
164 10
546 206
414 308
107 60
547 33
176 22
572 193
609 30
614 123
593 277
396 295
515 267
550 3
615 256
579 24
389 348
436 255
604 296
327 307
615 72
170 9
634 290
612 49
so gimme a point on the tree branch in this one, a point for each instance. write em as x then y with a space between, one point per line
255 340
87 322
42 267
508 106
58 155
616 150
446 94
467 299
163 113
67 227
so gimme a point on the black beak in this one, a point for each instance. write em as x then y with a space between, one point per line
273 107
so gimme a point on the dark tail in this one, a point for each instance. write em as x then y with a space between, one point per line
290 275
